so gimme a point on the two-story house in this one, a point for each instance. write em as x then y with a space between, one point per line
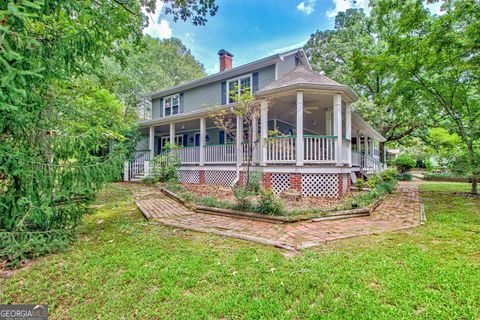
321 143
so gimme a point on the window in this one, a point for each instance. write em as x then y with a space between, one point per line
171 105
238 86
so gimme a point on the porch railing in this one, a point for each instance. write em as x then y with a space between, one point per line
224 153
281 149
356 158
319 148
136 166
188 155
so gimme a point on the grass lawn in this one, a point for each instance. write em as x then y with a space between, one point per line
123 266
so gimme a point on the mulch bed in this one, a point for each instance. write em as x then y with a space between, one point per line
304 203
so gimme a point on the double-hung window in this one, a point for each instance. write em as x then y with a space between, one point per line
237 87
171 105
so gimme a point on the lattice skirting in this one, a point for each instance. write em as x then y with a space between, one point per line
189 176
221 178
320 184
280 182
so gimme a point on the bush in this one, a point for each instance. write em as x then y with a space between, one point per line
165 165
360 184
385 187
389 175
269 203
373 180
405 163
243 202
405 176
255 182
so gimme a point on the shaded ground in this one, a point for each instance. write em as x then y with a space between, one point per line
123 266
304 203
398 211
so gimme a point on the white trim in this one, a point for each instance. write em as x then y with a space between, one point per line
250 75
171 105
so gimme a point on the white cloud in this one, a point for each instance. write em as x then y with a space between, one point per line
306 6
157 27
213 69
343 5
189 37
288 48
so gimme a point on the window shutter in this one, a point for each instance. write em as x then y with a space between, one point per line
224 92
221 137
255 82
161 107
185 139
180 107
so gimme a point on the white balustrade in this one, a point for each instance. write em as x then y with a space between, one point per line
188 155
225 153
281 149
356 158
319 148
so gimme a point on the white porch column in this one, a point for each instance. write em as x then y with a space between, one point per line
337 126
239 139
151 141
202 141
299 142
254 139
263 132
172 132
372 148
348 131
328 122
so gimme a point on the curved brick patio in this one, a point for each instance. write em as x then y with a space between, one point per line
398 211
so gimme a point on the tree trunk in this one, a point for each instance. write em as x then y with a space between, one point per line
474 189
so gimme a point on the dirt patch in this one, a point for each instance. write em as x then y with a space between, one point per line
303 203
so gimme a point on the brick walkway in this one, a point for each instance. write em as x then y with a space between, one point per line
398 211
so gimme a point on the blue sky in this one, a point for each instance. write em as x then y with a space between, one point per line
251 29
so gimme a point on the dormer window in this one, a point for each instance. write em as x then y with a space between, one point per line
171 105
237 87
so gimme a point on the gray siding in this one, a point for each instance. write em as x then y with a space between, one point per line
209 95
156 108
266 76
285 66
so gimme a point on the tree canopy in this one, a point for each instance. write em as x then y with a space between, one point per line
57 113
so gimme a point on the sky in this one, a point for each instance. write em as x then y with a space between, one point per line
251 29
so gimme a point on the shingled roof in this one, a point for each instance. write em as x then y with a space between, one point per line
303 76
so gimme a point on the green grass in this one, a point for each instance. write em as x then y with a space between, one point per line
123 266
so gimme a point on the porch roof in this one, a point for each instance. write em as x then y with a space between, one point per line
303 77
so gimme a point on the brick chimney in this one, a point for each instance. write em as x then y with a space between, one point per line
226 60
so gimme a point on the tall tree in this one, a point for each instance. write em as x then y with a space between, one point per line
153 65
439 57
354 54
51 130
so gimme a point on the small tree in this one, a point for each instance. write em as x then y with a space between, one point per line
248 107
405 163
165 165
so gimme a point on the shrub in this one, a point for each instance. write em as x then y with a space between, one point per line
243 202
165 165
385 187
255 182
405 176
269 203
389 175
360 184
373 180
404 163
